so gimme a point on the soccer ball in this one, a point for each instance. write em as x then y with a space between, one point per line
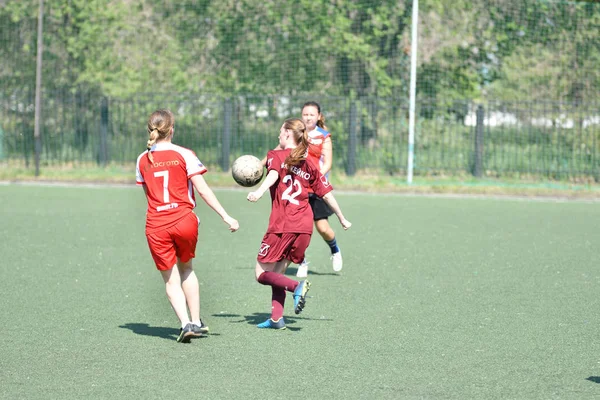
247 170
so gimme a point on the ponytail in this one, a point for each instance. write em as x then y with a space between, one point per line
298 154
321 122
160 126
151 142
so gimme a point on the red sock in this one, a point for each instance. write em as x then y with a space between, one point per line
277 303
276 280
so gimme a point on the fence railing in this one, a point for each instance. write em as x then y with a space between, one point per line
555 140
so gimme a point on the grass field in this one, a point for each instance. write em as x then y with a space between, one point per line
373 181
440 298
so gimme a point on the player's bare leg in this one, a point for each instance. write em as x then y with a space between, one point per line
175 294
325 229
191 288
328 235
177 299
189 284
281 266
262 267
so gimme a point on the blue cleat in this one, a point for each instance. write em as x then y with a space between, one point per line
270 324
300 296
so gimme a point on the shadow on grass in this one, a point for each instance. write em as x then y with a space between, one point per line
256 318
157 331
595 379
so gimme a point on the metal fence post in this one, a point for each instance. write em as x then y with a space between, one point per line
103 150
38 89
478 166
352 140
225 145
1 144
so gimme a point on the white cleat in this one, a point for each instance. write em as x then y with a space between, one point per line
336 260
302 270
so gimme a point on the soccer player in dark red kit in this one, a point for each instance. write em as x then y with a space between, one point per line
320 152
169 173
289 176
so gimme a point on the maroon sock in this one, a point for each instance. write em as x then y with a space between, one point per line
276 280
277 303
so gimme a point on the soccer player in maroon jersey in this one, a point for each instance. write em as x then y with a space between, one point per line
289 177
169 174
320 152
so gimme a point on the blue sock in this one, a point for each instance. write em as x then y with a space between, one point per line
333 245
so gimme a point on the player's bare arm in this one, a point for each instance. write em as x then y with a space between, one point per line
211 200
269 181
264 160
327 153
333 204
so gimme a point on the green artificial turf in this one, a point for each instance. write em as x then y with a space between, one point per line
439 298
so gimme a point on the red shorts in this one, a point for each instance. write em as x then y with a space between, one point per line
283 246
176 242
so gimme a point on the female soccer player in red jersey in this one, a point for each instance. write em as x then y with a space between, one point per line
289 178
320 151
169 174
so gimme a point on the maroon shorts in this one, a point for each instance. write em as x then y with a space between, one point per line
283 246
178 241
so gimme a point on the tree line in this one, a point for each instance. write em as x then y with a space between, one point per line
468 49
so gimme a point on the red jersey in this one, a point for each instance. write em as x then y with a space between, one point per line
290 210
316 138
169 189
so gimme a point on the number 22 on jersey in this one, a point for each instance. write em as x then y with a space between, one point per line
287 193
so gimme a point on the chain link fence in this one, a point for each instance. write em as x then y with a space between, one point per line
503 88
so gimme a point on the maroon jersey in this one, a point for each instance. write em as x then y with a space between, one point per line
290 210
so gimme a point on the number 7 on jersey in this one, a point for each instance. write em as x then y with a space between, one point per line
165 176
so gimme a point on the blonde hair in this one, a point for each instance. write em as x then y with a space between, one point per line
160 125
321 120
301 140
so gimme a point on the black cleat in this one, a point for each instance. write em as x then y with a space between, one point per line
200 329
186 334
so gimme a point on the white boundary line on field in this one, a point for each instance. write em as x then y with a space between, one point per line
546 199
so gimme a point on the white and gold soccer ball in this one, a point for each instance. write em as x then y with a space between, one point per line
247 170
